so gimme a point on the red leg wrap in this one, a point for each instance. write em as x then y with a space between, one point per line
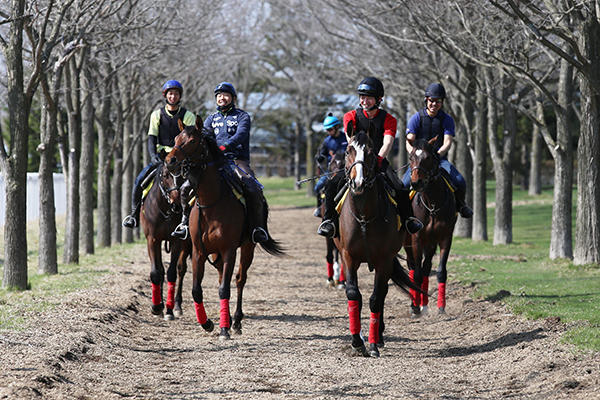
330 270
414 295
425 289
224 321
441 295
374 328
200 313
156 294
342 276
170 295
354 316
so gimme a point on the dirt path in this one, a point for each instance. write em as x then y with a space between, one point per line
105 344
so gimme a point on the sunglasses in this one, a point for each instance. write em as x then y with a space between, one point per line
330 129
435 101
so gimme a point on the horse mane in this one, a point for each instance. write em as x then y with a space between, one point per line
213 148
422 144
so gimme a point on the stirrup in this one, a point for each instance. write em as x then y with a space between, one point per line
129 222
259 235
465 211
327 228
413 225
181 232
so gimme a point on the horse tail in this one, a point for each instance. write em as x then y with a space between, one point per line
401 278
273 247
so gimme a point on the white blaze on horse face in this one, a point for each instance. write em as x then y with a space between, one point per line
358 161
418 152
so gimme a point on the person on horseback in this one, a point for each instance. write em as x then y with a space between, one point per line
230 126
370 93
334 141
428 123
161 137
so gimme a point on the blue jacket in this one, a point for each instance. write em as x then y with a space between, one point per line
332 144
231 130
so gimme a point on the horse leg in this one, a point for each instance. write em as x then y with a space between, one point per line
329 259
157 275
225 293
197 276
413 258
246 257
171 278
354 306
429 253
442 276
376 301
181 270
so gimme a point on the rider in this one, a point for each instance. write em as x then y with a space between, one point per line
370 93
334 141
161 137
231 128
428 123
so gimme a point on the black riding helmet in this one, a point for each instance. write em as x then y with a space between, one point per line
435 91
370 86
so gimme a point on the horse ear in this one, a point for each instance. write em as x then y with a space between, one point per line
350 129
433 140
198 122
180 125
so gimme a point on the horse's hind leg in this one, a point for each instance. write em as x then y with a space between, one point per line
442 276
157 275
246 257
413 258
380 289
225 293
181 271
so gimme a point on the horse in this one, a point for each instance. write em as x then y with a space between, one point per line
335 270
159 215
218 223
368 232
435 206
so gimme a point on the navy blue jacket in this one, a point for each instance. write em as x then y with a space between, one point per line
231 130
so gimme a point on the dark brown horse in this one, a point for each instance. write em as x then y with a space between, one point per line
159 215
369 232
435 206
218 222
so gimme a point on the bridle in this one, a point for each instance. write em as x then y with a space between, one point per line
431 174
368 170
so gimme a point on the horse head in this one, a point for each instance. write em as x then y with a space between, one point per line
170 184
190 148
424 163
361 161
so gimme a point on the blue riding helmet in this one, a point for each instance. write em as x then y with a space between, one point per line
330 121
172 84
435 91
225 87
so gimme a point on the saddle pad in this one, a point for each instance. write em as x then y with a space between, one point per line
339 205
147 189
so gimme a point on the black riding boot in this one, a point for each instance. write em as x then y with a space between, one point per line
328 227
131 220
182 230
403 203
256 210
317 212
461 206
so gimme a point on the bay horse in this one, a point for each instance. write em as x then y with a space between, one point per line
218 223
335 270
159 215
369 232
433 204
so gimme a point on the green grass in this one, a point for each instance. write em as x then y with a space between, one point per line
283 192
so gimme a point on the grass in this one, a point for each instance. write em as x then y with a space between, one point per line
519 274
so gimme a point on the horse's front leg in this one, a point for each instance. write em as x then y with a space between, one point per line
225 293
442 275
157 274
414 256
354 303
198 261
380 290
184 252
246 257
426 271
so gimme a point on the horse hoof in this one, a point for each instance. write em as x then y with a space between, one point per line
442 310
330 282
224 335
208 326
415 312
169 316
158 310
237 328
177 312
373 351
341 285
424 310
360 351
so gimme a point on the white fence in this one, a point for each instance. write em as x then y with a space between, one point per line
33 196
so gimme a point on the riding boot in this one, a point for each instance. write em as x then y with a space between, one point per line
403 203
317 211
256 207
461 206
182 230
328 227
131 220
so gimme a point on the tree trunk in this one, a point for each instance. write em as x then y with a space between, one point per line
117 176
561 235
104 159
139 142
402 158
14 168
127 181
71 249
297 143
479 170
587 235
535 162
310 164
86 177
